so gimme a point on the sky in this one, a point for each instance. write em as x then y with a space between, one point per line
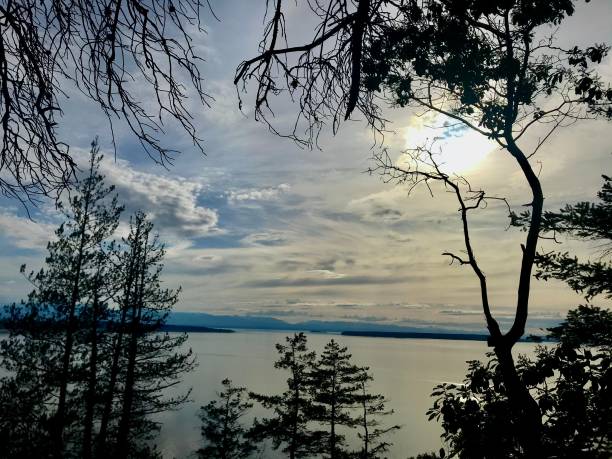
260 226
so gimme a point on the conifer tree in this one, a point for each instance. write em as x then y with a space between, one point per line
47 333
225 436
371 407
289 425
334 384
152 361
86 360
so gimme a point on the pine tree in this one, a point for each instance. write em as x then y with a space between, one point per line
152 361
292 409
334 384
371 407
225 437
48 333
86 360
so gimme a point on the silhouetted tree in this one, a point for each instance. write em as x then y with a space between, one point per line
334 385
371 407
225 437
572 381
50 332
101 49
152 361
482 64
290 426
87 364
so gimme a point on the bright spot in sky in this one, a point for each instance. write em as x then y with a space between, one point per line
456 149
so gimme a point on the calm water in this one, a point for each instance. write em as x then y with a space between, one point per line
405 371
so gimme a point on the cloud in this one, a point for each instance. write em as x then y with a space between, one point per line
25 233
171 202
323 281
266 238
326 273
257 194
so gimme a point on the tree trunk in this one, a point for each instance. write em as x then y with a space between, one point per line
128 395
91 389
102 448
526 409
60 416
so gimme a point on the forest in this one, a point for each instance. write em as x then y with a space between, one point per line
90 361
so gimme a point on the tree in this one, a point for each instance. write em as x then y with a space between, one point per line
372 407
153 360
224 435
86 360
292 409
478 63
100 48
334 383
572 381
49 333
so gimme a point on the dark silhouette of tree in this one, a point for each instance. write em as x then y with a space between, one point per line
371 407
572 381
101 49
334 385
79 331
153 360
291 424
481 64
49 333
225 436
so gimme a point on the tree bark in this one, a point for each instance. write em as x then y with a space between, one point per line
91 389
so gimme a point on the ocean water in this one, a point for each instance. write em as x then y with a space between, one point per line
405 371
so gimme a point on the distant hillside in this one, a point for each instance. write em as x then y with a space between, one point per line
452 336
194 329
269 323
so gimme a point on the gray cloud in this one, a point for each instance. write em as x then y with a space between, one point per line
323 281
171 202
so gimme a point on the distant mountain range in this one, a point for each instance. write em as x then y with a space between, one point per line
201 319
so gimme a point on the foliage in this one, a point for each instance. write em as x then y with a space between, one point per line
85 362
293 409
571 381
225 437
101 49
334 386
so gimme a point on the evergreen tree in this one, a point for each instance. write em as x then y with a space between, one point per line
151 361
292 409
86 361
225 437
371 407
48 333
334 384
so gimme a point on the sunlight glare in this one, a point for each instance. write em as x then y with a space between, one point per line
456 150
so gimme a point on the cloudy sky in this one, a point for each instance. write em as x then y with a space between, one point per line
260 226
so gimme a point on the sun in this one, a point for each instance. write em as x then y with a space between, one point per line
457 150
